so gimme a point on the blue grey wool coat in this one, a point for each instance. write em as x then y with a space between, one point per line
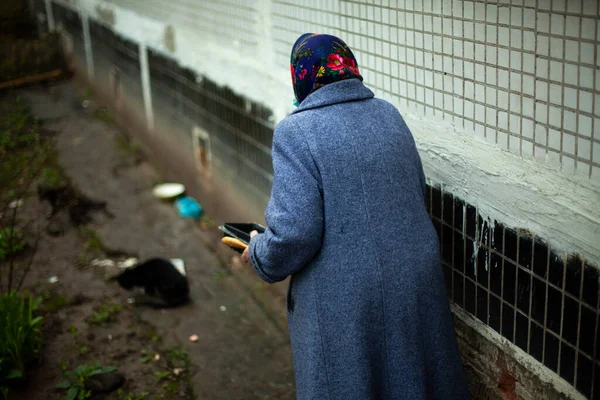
367 307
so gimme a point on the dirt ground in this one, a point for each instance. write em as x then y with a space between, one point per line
242 350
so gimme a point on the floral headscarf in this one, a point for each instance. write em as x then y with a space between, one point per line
318 60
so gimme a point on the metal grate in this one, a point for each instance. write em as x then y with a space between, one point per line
113 53
241 133
544 302
70 21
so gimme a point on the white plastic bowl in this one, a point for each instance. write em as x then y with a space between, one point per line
167 191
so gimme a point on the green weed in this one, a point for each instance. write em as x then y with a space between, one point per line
207 222
73 331
147 357
178 354
53 303
161 375
218 276
64 366
88 93
131 396
82 349
91 239
171 387
20 336
103 115
11 243
52 176
105 314
75 385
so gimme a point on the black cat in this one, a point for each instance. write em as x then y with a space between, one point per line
163 284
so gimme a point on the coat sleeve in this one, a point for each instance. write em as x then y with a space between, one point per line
295 212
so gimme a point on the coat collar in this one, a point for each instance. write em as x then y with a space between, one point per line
334 93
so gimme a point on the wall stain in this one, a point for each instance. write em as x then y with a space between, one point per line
170 38
105 15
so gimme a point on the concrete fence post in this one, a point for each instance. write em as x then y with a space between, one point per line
146 89
87 41
50 15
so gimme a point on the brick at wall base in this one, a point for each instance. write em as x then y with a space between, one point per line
494 374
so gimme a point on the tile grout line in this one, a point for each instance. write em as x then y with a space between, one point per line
529 316
547 288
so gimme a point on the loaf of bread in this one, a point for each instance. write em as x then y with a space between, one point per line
234 243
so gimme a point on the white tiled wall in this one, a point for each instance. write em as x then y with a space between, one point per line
520 74
292 18
231 23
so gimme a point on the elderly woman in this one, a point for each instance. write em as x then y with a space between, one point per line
367 307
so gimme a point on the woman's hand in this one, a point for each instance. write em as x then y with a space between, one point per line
246 254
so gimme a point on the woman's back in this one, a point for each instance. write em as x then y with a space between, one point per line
375 287
367 308
372 178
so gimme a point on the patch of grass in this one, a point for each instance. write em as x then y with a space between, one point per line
218 276
64 365
171 387
52 304
103 115
92 247
91 239
75 385
130 150
23 151
88 93
105 314
131 396
152 335
82 259
207 222
14 125
178 354
73 331
178 376
20 336
52 176
11 243
127 145
162 375
147 357
81 349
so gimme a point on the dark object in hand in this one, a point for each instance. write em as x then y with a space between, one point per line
240 231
